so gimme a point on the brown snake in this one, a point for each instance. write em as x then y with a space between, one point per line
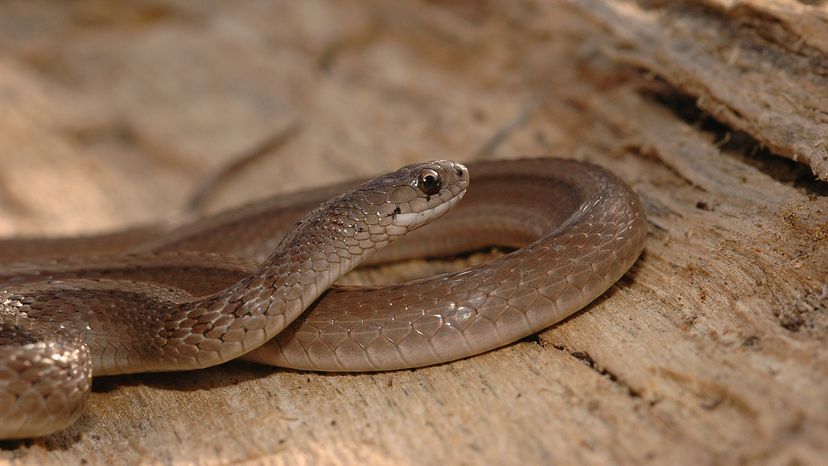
245 283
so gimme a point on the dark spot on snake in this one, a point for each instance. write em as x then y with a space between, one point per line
360 229
428 198
459 173
11 334
396 212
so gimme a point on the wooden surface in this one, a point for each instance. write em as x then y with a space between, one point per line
712 350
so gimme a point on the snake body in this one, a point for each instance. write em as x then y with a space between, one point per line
246 283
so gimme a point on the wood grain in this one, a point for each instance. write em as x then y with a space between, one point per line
712 350
756 65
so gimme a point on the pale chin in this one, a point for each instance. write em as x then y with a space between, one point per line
417 219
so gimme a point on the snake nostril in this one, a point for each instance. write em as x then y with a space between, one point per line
459 172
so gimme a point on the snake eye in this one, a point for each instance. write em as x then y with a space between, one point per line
429 182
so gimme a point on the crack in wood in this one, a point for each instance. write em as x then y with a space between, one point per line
585 358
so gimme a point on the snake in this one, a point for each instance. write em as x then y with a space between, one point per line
258 282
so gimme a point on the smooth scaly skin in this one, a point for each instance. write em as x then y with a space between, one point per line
584 228
578 227
50 328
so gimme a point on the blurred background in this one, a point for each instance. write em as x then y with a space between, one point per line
119 113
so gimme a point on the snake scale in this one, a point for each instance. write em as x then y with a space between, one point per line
257 282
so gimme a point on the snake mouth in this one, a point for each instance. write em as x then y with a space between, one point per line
417 219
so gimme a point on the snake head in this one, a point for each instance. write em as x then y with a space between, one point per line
376 213
420 193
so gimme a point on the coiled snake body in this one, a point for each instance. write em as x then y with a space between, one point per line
246 283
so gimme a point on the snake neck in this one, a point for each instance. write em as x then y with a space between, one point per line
322 247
